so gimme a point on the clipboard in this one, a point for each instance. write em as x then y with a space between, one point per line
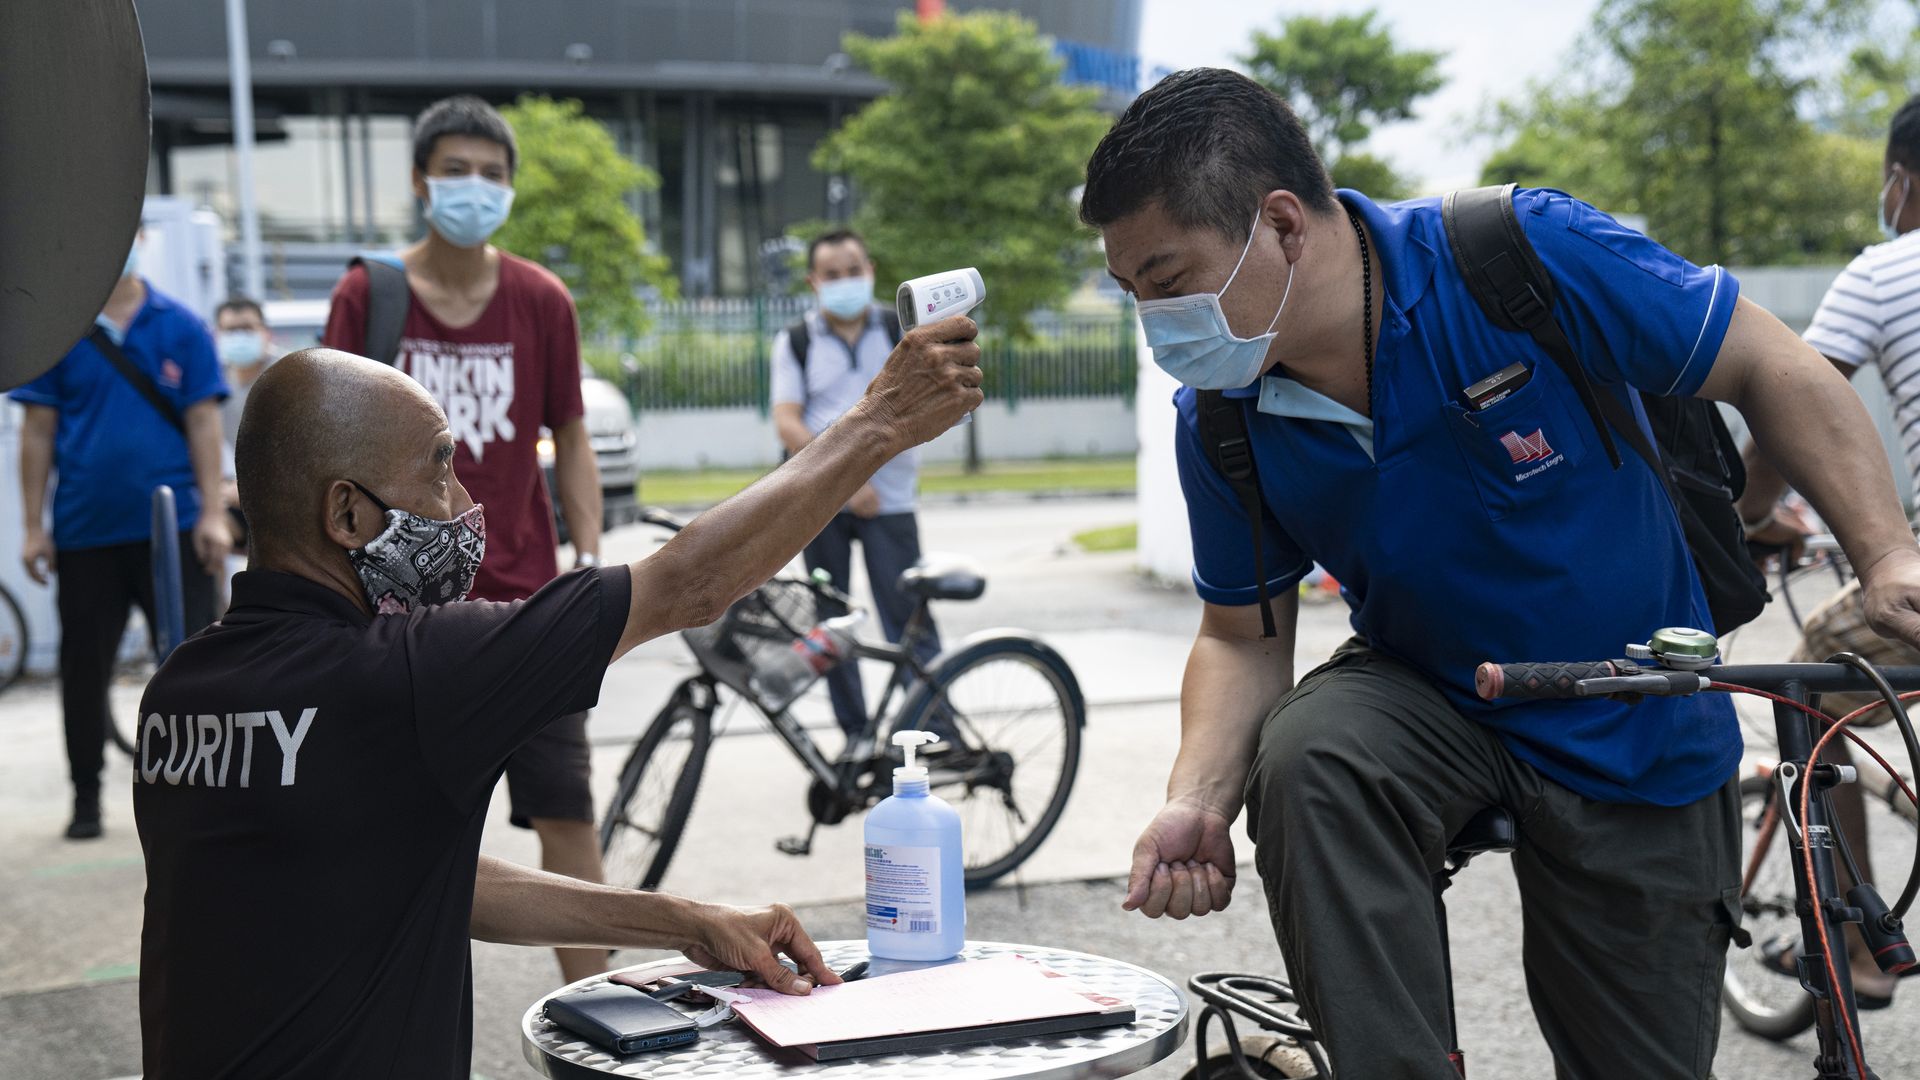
1112 1016
967 1002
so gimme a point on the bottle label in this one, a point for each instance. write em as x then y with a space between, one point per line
903 889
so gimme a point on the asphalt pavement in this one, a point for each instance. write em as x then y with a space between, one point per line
70 913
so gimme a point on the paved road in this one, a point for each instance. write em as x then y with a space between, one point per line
69 915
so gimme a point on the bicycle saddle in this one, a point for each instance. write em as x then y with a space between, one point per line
944 579
1492 829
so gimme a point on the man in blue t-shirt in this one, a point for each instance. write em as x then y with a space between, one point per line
134 405
1462 529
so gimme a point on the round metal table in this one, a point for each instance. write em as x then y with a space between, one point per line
730 1050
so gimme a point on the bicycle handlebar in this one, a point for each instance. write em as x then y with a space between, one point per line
1601 678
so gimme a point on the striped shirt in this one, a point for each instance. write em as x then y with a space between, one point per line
1871 313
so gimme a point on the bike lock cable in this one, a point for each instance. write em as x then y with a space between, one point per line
1892 701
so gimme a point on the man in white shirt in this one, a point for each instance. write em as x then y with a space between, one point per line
1871 314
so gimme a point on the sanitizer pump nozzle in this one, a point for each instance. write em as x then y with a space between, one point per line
909 742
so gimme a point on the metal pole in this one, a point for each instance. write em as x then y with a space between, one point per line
241 71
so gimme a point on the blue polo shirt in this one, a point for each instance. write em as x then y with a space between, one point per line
1505 534
112 447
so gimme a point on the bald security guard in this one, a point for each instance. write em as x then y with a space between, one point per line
314 771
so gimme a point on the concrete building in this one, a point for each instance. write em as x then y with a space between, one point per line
724 99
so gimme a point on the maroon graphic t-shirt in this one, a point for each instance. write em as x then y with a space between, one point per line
499 379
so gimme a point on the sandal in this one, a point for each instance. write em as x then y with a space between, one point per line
1782 957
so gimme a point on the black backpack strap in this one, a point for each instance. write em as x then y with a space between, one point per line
890 319
141 380
1513 289
1224 437
388 296
799 340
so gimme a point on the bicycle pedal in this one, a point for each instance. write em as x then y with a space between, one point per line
794 845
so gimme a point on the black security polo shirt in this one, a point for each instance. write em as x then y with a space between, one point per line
310 788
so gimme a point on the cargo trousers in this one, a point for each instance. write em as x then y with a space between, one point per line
1363 774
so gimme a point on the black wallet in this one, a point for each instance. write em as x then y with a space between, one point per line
622 1019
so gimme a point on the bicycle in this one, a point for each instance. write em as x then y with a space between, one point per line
1758 998
1010 703
1676 662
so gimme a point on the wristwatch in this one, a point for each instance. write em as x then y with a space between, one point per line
585 559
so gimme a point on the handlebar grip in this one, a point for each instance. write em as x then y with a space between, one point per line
1536 680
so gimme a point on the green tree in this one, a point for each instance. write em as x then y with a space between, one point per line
971 159
1696 115
1344 76
570 213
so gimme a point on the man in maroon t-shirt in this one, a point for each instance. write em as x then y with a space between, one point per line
494 338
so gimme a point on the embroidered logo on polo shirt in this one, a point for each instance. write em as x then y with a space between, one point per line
170 373
1525 448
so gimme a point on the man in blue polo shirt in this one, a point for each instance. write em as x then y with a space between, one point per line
1460 534
134 405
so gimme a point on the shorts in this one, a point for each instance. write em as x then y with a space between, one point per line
1840 625
547 777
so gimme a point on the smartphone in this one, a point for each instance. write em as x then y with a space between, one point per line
622 1019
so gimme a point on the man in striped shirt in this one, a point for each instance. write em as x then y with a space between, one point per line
1871 313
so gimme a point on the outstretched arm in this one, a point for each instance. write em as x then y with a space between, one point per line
930 382
1812 427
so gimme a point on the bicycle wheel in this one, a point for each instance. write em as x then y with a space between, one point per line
1763 1001
1013 711
655 794
13 640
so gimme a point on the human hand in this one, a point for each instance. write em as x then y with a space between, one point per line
1785 530
931 380
865 502
745 939
1183 863
37 554
212 540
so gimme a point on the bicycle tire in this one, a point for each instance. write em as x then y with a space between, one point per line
14 640
618 828
1770 1016
943 687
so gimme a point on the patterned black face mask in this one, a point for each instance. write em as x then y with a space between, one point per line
417 560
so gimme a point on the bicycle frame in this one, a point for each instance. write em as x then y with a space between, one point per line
842 775
1812 841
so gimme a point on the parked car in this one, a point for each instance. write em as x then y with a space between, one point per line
616 448
294 324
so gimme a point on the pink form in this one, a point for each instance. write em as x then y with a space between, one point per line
977 993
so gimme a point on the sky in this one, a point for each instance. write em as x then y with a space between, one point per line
1494 48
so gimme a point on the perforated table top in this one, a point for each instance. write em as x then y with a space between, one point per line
730 1050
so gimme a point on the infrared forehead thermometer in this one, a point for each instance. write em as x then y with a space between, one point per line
936 296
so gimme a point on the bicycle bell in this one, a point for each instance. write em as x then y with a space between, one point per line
1681 648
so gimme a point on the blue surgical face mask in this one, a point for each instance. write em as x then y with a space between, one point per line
132 266
1890 226
1192 341
846 297
240 348
466 210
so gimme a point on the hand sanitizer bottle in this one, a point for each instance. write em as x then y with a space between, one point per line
916 880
